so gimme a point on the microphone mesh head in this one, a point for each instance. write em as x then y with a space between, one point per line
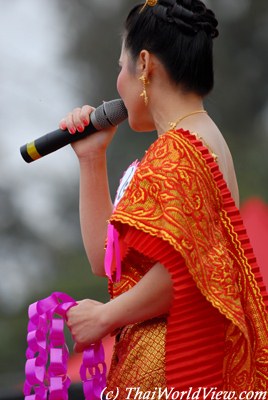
110 113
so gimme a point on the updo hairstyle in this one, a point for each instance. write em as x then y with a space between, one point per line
180 33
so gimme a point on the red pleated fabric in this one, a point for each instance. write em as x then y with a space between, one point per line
179 212
236 226
195 330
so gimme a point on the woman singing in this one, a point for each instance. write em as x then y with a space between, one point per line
187 301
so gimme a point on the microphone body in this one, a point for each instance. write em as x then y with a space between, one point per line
108 114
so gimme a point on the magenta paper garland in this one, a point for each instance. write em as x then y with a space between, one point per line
47 354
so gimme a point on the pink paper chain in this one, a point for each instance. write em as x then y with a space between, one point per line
47 354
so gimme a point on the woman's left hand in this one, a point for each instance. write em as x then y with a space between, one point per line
87 323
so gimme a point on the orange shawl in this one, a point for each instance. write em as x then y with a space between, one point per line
178 194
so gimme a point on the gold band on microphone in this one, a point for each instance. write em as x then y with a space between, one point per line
32 151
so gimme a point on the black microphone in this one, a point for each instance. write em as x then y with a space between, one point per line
110 113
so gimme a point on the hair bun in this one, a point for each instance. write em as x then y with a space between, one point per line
191 16
178 11
186 3
206 20
179 33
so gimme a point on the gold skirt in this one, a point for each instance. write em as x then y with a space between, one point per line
139 358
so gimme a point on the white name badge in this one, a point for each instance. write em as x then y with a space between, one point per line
125 181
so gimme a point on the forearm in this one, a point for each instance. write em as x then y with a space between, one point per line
149 298
95 209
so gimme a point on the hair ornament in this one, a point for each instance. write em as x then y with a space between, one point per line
150 3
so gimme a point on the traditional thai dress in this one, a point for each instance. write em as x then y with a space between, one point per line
177 210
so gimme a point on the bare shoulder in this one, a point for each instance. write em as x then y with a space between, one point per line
216 142
213 139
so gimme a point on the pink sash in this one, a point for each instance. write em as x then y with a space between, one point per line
113 248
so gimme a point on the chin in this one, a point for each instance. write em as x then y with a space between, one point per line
139 126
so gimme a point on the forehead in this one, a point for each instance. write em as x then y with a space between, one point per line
124 53
127 59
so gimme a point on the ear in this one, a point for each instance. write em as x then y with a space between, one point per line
145 63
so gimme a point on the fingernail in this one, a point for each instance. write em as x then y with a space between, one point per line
62 125
72 130
85 122
80 128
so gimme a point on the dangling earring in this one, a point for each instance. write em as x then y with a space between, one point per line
145 82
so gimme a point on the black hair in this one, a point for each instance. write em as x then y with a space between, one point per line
180 33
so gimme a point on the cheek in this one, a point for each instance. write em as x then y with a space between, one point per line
129 90
120 84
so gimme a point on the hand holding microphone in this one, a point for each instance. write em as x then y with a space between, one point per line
108 115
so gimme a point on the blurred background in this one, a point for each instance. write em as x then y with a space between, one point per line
59 54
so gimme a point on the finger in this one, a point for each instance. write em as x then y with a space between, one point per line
85 114
69 315
97 302
79 125
70 123
89 301
69 325
67 319
78 348
62 124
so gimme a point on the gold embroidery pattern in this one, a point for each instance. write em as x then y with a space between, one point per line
139 354
175 195
139 358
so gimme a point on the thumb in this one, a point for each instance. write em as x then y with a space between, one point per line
78 348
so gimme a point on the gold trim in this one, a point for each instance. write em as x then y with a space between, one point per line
32 151
223 267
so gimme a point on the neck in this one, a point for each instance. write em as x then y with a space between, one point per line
172 107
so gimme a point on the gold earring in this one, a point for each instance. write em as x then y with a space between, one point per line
145 82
